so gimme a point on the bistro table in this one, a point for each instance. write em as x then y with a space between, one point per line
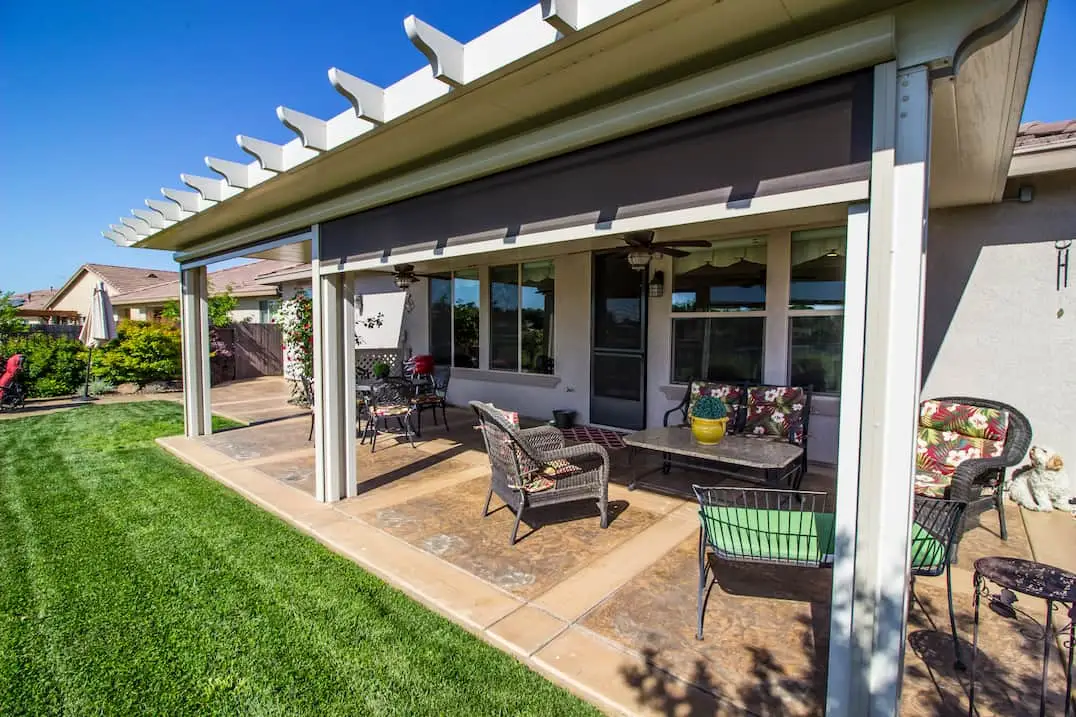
1054 585
779 460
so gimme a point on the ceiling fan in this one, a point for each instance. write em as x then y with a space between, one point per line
642 248
403 275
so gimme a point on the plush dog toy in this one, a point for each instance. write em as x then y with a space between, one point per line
1044 485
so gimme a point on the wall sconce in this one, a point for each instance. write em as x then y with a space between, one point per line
656 287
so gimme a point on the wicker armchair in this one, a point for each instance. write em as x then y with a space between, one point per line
532 468
973 479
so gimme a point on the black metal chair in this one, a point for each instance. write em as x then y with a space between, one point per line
794 527
533 467
308 395
390 398
433 396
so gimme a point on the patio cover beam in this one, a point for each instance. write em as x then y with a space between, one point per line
334 382
194 331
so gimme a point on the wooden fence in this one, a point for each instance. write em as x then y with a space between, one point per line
256 348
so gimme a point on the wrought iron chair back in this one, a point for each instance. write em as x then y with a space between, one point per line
757 525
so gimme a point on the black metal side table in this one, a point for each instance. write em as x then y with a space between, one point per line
1054 585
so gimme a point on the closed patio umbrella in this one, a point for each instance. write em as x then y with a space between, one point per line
99 328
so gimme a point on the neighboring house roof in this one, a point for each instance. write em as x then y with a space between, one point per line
118 279
35 300
1043 147
239 281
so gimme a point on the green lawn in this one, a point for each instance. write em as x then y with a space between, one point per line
132 584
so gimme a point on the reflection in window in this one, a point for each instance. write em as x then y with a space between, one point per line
718 349
814 352
504 317
536 317
729 276
441 319
465 298
818 263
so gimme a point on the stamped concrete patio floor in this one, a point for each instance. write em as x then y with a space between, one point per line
610 613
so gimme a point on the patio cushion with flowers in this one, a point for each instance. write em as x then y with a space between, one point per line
539 478
731 394
776 411
391 410
948 435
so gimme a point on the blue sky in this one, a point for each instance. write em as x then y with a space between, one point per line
103 103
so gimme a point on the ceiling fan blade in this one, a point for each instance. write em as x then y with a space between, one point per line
641 239
669 251
403 268
684 242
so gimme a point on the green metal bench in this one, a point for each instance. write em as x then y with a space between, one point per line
798 528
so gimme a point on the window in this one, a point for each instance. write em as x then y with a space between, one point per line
454 319
521 300
723 288
816 308
267 309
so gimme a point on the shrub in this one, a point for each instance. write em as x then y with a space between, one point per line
142 352
99 387
709 407
381 369
53 366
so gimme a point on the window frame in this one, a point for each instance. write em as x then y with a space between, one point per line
519 315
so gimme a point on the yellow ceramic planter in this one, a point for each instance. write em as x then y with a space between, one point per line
708 431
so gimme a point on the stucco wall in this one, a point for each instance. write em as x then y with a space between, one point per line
247 309
79 295
991 326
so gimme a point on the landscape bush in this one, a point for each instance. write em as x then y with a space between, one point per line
53 366
142 352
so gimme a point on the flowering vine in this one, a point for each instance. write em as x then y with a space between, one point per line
296 320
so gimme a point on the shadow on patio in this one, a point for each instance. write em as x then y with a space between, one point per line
611 613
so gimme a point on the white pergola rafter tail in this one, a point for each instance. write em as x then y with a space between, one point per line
192 202
237 174
140 226
563 15
366 98
154 219
168 209
276 157
212 189
116 238
323 135
124 231
444 53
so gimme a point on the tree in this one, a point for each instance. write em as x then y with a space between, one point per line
10 323
221 307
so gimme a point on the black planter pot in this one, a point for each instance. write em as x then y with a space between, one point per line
563 418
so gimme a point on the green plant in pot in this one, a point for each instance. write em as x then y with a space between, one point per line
381 370
709 419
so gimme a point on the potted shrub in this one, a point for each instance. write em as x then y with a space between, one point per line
709 418
381 370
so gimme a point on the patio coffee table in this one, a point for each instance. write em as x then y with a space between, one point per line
778 460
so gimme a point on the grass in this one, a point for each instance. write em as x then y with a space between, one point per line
132 584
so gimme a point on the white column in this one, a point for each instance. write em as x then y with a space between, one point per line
194 331
891 380
334 381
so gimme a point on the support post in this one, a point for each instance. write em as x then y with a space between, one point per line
194 331
891 383
334 381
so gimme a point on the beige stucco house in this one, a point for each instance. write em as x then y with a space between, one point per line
141 294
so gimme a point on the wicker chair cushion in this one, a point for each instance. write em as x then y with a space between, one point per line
948 435
931 484
730 393
988 424
776 411
546 477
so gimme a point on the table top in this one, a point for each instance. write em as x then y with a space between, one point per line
738 449
1029 578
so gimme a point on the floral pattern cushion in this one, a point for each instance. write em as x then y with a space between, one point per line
776 411
972 421
931 484
546 478
391 410
730 393
426 399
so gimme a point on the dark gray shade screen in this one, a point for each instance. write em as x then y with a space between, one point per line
808 137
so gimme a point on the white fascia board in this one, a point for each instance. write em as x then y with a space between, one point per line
821 56
212 189
844 193
192 202
276 157
237 174
154 219
168 209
